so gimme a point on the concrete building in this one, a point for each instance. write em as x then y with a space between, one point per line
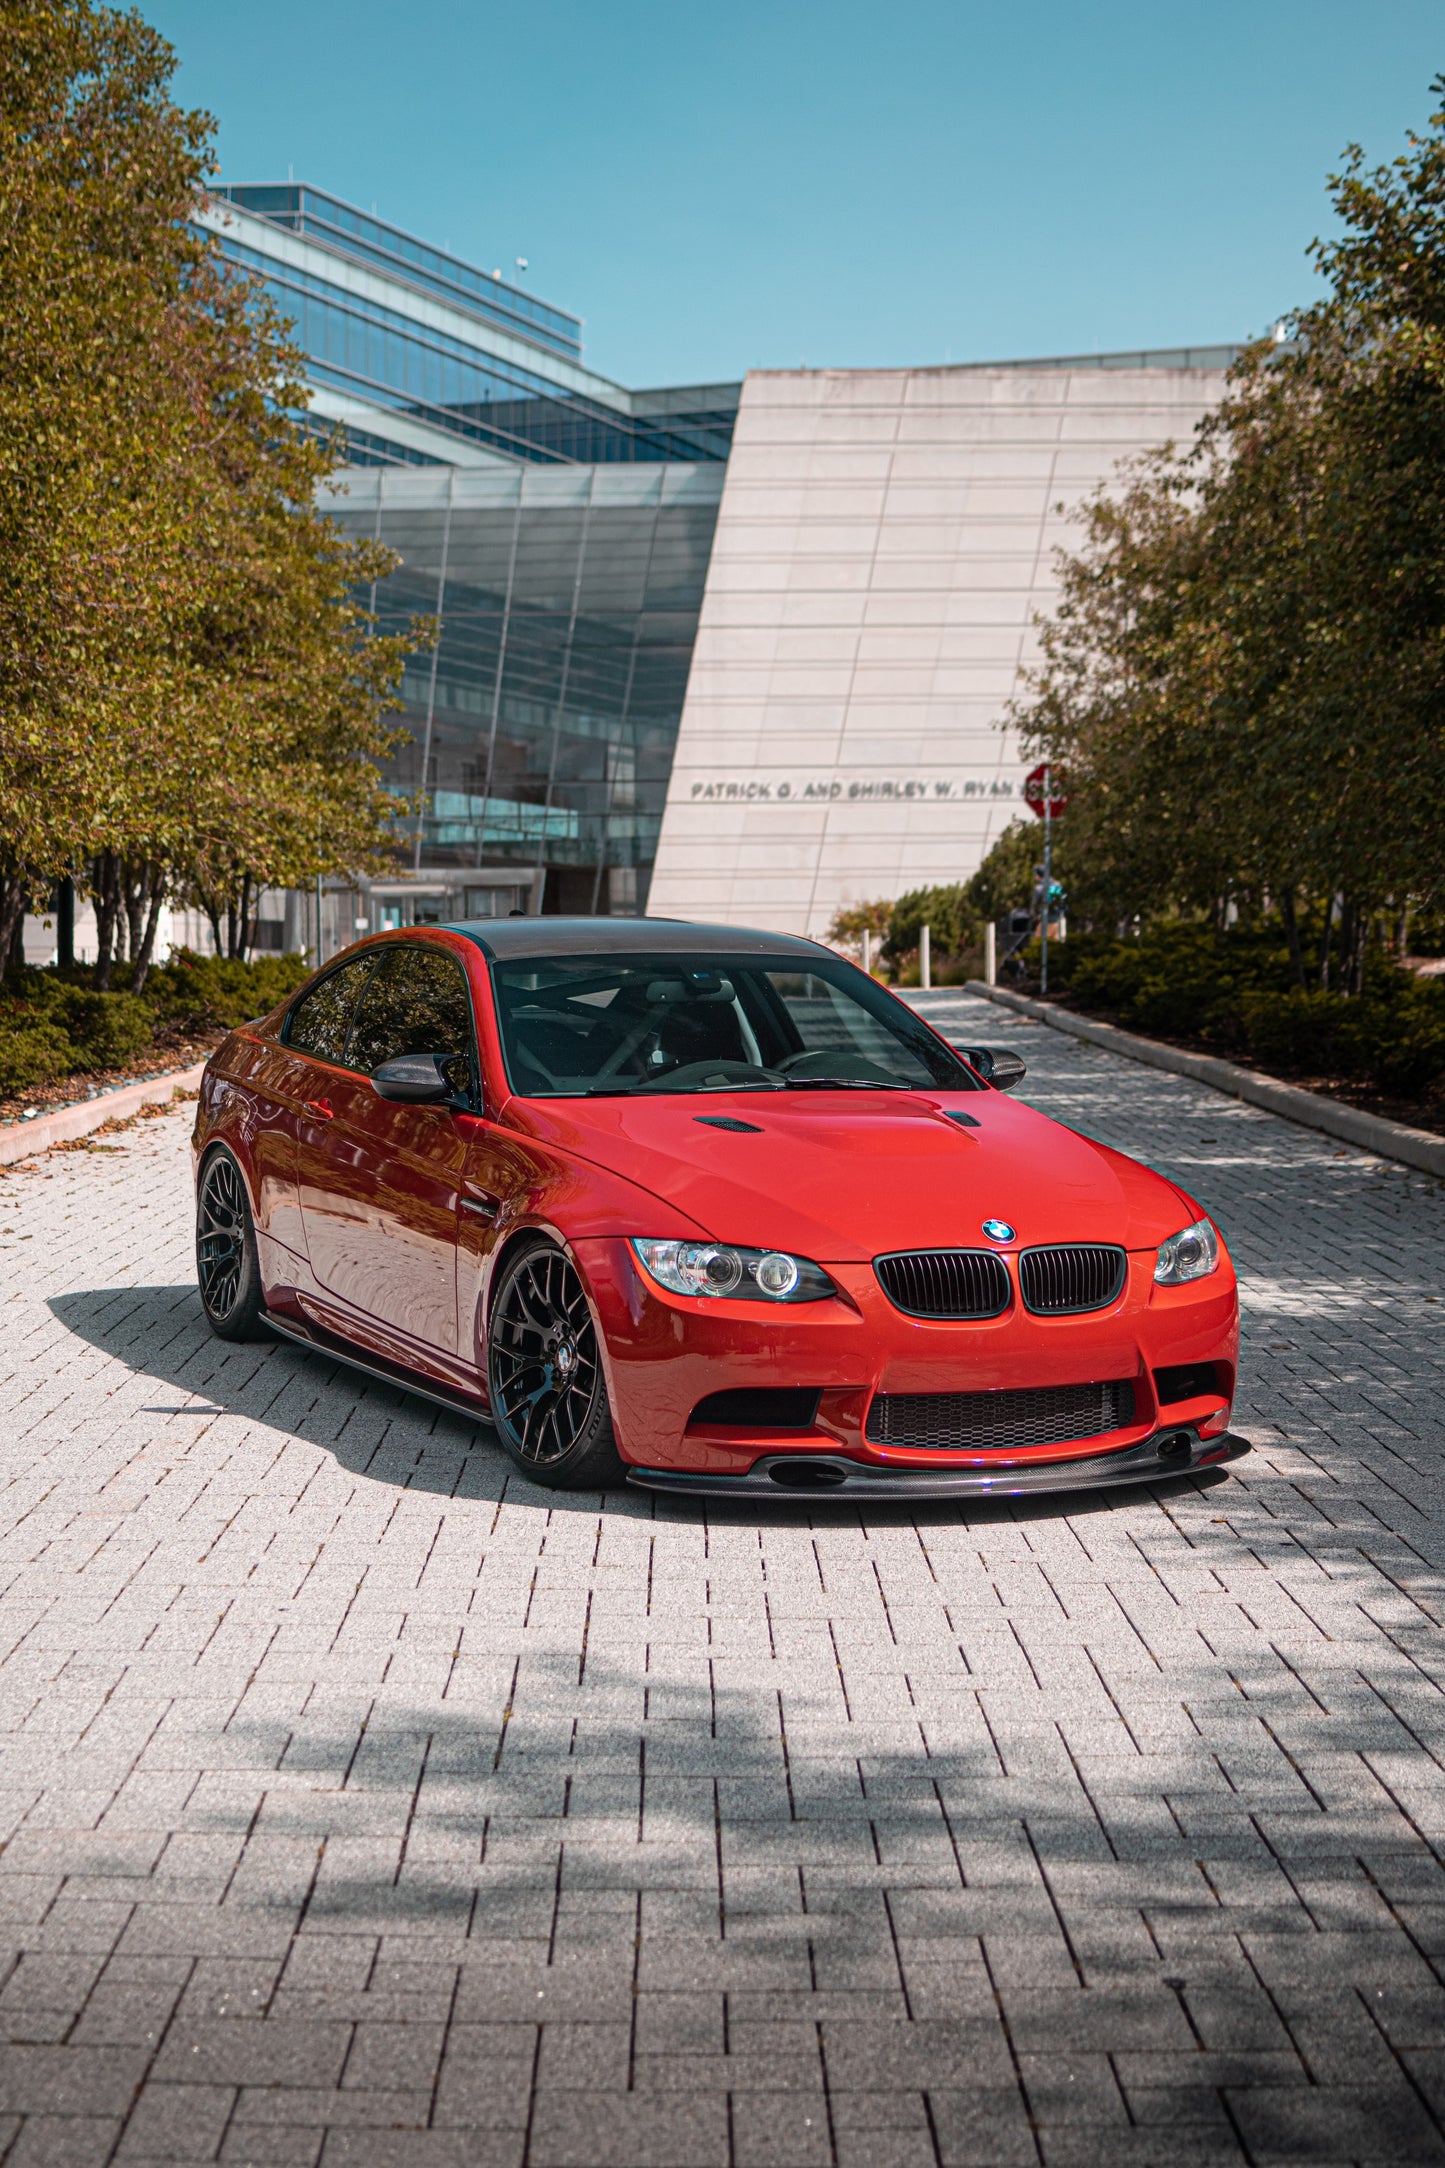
885 540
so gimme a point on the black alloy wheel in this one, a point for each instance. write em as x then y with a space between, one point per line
227 1269
544 1370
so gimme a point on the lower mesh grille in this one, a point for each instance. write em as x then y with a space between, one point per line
945 1283
1000 1422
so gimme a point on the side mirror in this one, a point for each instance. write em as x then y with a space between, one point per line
414 1080
996 1065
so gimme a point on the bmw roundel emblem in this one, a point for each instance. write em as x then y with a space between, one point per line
998 1230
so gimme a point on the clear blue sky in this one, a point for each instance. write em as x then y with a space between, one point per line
717 187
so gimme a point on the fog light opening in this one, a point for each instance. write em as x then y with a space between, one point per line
1175 1445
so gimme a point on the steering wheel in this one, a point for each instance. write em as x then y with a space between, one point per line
721 1073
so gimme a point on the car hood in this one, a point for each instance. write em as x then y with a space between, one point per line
845 1176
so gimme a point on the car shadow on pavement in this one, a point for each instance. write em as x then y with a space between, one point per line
389 1435
370 1428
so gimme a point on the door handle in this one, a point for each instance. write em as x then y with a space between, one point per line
321 1107
485 1208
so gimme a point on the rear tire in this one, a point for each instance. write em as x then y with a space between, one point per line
228 1271
544 1373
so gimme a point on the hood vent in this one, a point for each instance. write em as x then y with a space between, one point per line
1071 1277
945 1283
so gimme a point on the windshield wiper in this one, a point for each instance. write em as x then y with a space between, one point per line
661 1089
850 1084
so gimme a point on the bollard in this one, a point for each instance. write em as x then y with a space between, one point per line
925 957
868 952
990 954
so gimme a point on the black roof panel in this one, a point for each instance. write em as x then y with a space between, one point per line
506 937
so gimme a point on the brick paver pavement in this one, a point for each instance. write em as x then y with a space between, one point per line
362 1804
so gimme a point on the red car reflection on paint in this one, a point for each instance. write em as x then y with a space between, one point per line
705 1210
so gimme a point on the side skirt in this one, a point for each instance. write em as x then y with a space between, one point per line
317 1342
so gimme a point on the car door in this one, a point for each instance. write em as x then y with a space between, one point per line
289 1080
380 1181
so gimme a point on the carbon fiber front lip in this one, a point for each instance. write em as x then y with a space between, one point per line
1142 1463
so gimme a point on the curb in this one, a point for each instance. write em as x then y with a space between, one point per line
1372 1132
22 1140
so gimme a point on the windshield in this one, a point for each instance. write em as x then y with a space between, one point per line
633 1023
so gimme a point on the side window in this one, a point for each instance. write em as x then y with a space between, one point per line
320 1022
416 1003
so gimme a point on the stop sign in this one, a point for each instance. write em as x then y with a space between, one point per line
1034 791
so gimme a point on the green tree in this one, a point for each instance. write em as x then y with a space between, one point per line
1246 673
1005 880
953 923
189 696
848 925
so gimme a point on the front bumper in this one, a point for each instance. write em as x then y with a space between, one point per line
1174 1450
664 1355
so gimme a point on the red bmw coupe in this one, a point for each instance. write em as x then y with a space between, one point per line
705 1210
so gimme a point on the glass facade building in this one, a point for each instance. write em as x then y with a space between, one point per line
557 525
544 721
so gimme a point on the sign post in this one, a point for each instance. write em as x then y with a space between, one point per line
1040 794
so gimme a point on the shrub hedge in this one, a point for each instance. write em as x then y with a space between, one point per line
1233 992
55 1024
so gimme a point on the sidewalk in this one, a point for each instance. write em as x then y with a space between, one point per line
362 1805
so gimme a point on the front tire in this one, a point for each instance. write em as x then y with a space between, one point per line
544 1373
228 1271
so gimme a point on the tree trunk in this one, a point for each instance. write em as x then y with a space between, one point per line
1330 909
1290 917
240 916
148 940
105 887
14 895
1360 932
1351 931
135 875
14 946
212 908
65 924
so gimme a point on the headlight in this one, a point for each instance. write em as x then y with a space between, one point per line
1192 1254
716 1268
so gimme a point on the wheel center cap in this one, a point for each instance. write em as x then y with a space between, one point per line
564 1358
